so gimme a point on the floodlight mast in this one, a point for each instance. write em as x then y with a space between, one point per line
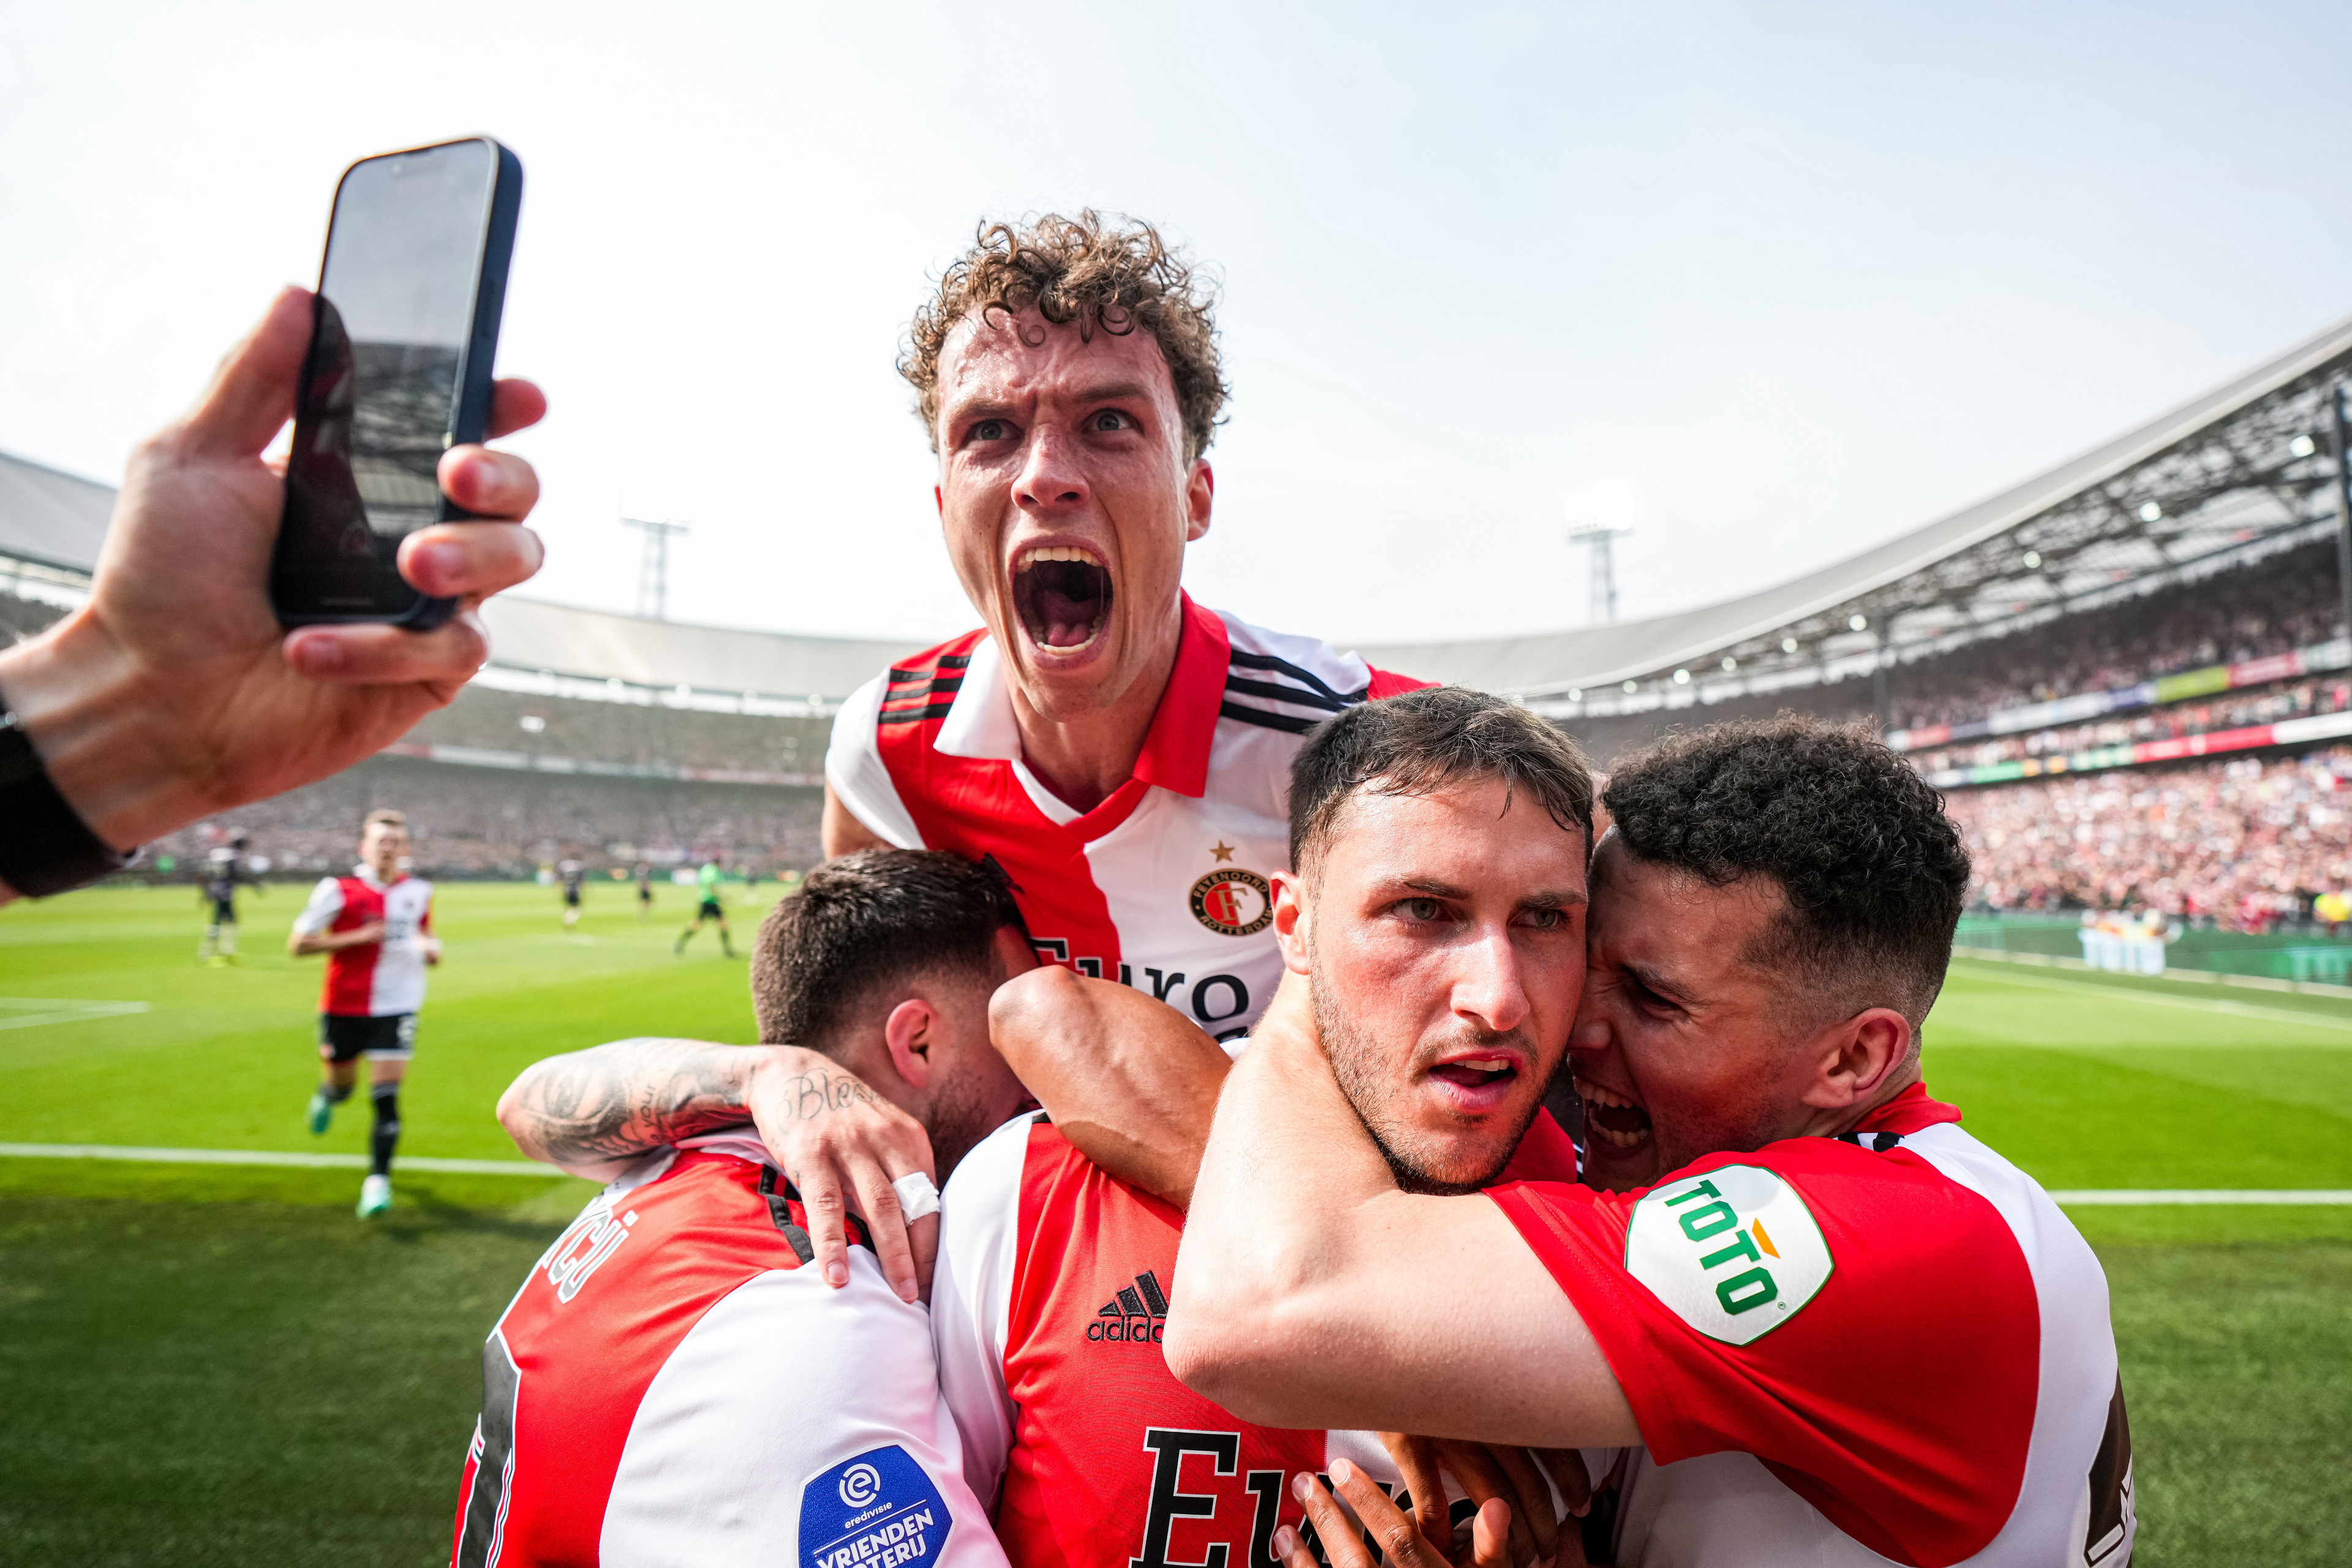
1599 536
653 566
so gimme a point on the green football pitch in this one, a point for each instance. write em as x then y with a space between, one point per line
217 1364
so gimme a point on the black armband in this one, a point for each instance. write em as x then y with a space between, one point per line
44 845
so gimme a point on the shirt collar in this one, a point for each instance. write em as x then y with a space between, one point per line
980 722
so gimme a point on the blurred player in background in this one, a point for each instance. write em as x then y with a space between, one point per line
226 869
375 926
710 909
572 873
645 891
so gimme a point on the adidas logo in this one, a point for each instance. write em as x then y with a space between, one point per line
1137 1315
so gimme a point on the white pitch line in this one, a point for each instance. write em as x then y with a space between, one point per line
2003 976
64 1010
270 1157
2134 1198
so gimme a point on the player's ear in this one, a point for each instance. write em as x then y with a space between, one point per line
1856 1057
1200 497
913 1030
1290 919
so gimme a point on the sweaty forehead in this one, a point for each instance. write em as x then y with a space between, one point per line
1676 916
1025 355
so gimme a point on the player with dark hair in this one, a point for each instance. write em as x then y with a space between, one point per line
375 926
226 870
672 1383
1815 1320
1051 1290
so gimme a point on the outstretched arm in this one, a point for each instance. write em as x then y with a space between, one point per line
1130 1082
1311 1292
593 1113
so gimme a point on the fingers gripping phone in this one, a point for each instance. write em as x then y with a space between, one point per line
404 331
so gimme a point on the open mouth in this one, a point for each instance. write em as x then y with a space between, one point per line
1476 1072
1062 595
1611 1118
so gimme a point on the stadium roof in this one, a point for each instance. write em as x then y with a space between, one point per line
2222 478
1909 577
529 634
51 518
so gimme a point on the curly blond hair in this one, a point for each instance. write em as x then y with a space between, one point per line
1115 277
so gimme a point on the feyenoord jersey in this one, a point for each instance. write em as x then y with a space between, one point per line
1887 1346
1164 885
670 1386
1049 1303
383 978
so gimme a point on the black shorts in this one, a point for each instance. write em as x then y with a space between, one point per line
223 913
344 1037
710 911
572 897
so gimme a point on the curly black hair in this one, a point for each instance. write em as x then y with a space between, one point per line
1875 872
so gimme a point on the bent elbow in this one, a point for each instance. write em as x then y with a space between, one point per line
1227 1358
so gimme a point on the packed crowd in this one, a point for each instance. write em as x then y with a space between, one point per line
2246 843
489 822
2237 710
2288 601
652 735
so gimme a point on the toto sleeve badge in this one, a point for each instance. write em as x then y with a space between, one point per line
1735 1252
876 1510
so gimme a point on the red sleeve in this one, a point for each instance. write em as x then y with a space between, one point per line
1388 683
1863 1326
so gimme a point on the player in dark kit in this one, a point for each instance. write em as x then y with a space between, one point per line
573 873
224 873
645 891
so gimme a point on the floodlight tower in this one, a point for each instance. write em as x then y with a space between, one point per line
653 566
1598 516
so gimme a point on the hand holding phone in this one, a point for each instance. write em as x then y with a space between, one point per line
404 332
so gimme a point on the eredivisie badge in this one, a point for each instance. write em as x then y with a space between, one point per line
1234 902
1735 1252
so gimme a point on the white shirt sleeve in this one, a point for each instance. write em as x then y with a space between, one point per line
325 902
971 1299
798 1426
854 768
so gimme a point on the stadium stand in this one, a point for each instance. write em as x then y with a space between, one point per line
2245 844
2168 601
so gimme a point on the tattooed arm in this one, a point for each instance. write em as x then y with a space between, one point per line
593 1113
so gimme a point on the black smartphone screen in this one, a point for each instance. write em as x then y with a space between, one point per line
384 389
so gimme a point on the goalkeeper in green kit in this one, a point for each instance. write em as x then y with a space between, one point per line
708 910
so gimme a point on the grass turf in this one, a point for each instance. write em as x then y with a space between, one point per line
218 1365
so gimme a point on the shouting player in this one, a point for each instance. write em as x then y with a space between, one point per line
672 1384
375 926
1121 751
1818 1321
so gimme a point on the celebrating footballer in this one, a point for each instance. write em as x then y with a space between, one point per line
1220 978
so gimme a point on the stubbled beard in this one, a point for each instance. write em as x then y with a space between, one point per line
1355 1060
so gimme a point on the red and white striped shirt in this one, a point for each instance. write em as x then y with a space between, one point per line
1890 1346
1049 1304
1164 885
671 1386
380 979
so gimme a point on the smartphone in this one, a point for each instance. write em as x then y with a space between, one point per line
404 331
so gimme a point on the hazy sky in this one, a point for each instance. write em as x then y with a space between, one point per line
1801 276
